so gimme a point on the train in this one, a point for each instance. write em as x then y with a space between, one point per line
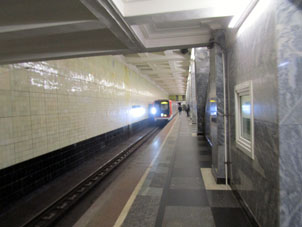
163 109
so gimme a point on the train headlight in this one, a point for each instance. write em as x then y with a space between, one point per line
153 110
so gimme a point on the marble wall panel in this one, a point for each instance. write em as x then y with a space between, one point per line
252 56
290 175
257 180
289 41
52 104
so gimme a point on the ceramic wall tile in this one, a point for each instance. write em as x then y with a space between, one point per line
23 150
38 126
20 80
6 131
58 103
51 103
5 103
20 103
5 79
37 103
53 142
7 155
52 124
37 82
39 145
21 128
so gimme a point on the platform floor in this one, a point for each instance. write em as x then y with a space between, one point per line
176 188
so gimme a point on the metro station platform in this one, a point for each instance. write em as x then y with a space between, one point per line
168 184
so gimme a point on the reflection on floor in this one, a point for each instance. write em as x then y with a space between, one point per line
179 190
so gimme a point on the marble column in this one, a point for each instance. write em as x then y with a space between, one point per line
215 106
193 93
202 71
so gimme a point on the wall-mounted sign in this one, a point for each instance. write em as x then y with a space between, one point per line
177 97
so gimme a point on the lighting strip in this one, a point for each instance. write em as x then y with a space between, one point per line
240 17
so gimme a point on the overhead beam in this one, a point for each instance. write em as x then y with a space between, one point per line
59 55
106 12
34 30
195 14
150 72
137 60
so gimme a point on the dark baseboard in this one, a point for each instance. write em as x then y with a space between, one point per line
23 178
245 207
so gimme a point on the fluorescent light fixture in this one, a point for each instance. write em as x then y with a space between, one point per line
242 14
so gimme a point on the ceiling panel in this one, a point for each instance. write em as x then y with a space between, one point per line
168 69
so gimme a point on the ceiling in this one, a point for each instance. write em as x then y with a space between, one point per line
168 69
34 30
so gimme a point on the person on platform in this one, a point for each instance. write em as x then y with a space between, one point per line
188 110
179 108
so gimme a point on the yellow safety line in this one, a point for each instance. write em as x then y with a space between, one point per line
130 201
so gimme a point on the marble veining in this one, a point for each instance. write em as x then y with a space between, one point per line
253 57
289 30
202 70
290 175
215 107
289 41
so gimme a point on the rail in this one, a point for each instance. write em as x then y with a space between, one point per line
54 212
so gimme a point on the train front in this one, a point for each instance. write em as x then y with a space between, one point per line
162 110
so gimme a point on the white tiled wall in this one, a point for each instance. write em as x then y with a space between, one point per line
48 105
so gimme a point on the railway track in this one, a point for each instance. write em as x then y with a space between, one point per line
53 213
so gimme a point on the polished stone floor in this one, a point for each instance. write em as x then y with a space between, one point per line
179 190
